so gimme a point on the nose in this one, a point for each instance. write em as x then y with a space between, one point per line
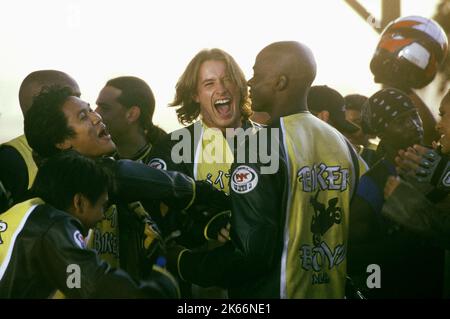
221 87
95 117
438 126
249 82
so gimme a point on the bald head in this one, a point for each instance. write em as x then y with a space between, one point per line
292 59
283 74
35 81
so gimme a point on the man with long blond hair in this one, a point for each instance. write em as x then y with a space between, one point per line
214 89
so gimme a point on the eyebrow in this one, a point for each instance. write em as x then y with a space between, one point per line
208 80
85 107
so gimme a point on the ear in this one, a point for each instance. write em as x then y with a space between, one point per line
196 98
64 145
78 204
133 114
324 116
282 83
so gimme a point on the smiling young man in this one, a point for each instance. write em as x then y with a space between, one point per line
69 123
212 87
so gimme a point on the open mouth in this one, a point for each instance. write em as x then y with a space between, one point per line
103 133
223 106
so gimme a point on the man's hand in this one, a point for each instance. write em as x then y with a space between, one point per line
426 169
224 234
416 160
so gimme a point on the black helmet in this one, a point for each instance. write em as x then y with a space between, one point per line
409 53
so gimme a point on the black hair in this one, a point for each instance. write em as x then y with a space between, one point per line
355 102
66 174
135 92
45 123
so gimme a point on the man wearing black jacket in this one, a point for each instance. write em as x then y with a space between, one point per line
59 121
42 243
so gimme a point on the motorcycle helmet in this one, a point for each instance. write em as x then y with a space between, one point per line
409 53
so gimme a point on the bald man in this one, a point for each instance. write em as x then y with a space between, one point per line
18 169
289 225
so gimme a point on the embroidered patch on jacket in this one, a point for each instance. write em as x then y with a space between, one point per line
244 179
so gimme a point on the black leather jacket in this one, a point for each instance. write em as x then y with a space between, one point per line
47 249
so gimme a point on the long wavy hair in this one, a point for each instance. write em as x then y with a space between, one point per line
186 87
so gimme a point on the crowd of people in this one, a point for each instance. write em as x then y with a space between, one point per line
274 188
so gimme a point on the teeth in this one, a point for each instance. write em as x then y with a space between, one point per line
224 101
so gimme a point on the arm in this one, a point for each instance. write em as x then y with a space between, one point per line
255 230
408 207
139 182
61 246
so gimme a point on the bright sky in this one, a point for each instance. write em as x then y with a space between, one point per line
97 40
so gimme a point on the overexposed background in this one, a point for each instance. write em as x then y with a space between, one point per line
97 40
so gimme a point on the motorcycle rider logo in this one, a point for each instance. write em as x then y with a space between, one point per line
3 227
324 217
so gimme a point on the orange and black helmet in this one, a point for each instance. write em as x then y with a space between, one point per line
409 53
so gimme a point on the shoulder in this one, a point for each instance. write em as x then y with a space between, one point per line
62 227
9 154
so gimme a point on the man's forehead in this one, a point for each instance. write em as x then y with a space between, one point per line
210 67
263 58
108 94
75 104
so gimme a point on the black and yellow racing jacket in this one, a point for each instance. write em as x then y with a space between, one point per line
289 225
42 250
18 168
204 154
120 238
207 155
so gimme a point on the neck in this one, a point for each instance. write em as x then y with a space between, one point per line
236 125
128 146
287 107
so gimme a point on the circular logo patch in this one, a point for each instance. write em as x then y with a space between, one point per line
446 179
157 163
79 239
244 179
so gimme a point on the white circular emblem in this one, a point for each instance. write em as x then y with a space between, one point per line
244 179
158 164
79 239
446 179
